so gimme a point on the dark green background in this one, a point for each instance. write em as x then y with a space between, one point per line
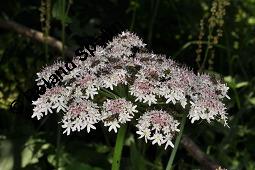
168 27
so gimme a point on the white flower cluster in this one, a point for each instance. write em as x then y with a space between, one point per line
149 78
206 95
79 115
117 111
157 126
54 98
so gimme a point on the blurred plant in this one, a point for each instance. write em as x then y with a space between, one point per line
133 6
60 12
215 31
45 17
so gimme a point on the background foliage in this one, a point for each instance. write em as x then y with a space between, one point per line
169 27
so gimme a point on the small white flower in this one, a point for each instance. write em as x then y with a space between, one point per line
42 107
67 125
144 133
157 138
61 104
90 126
169 142
113 126
170 98
91 92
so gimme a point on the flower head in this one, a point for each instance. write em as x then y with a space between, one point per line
116 112
157 126
86 94
80 114
54 98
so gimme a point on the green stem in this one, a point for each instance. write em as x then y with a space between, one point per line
109 93
58 146
47 27
133 17
207 49
63 4
118 148
176 144
194 43
237 99
152 22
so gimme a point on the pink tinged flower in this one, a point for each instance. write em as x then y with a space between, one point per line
207 109
87 83
151 72
177 93
222 89
81 114
143 87
157 126
144 90
206 99
131 39
116 112
85 80
58 97
47 71
115 78
121 45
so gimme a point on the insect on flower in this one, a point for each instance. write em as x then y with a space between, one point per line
112 117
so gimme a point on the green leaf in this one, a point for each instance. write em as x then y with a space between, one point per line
59 11
233 84
137 160
252 100
34 149
242 84
231 81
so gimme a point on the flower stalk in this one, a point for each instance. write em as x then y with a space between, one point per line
118 148
177 142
